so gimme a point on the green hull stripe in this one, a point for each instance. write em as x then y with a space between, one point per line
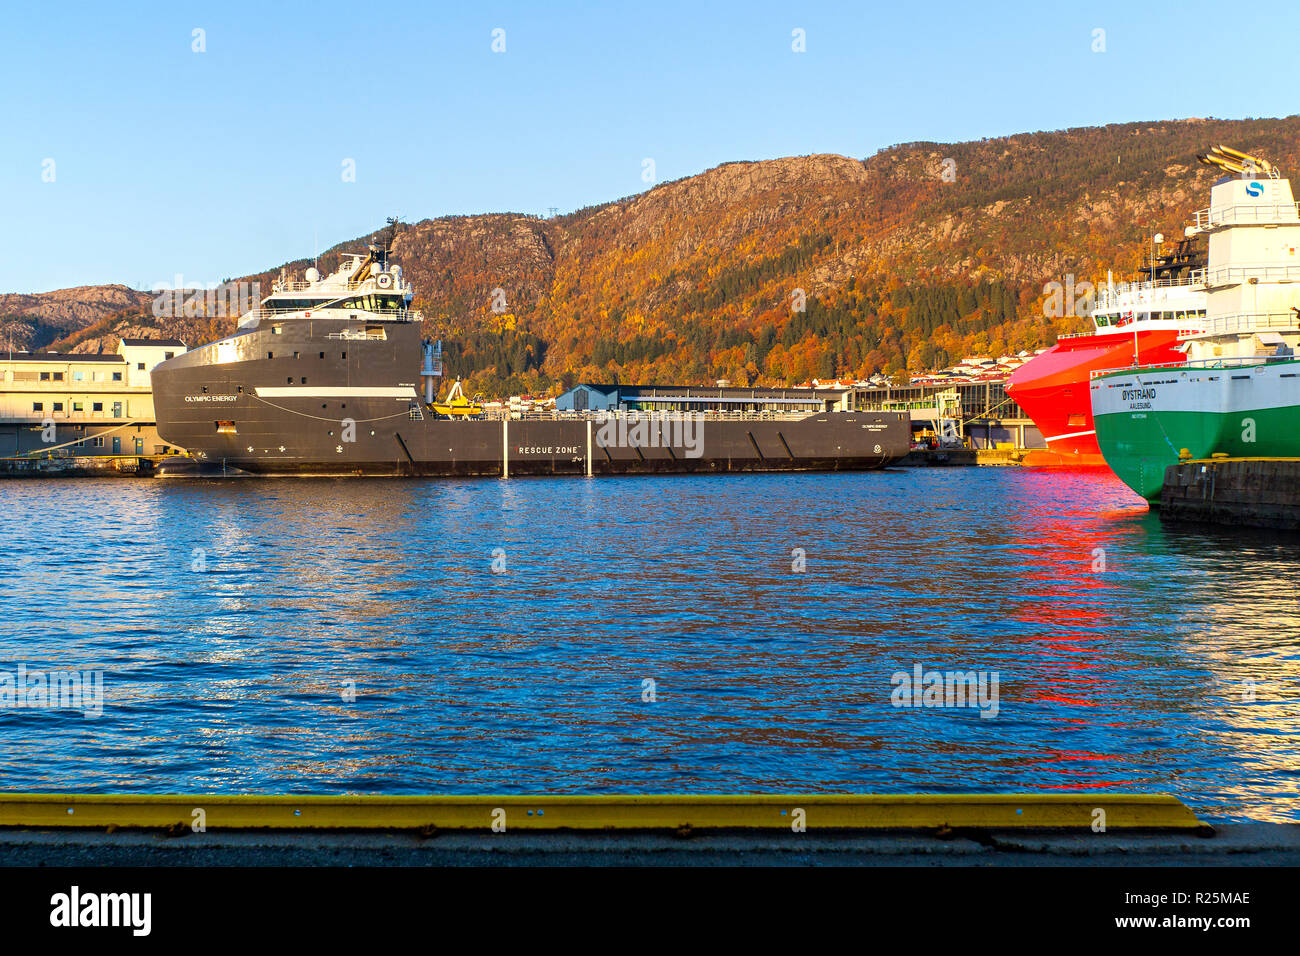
1139 446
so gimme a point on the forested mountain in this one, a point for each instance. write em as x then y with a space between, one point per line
772 272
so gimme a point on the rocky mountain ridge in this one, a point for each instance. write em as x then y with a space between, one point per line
772 271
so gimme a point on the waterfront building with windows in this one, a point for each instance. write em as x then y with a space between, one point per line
69 405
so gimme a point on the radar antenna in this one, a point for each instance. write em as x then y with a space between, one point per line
384 241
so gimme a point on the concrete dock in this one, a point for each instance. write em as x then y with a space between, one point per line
1244 844
1246 492
217 830
82 466
994 457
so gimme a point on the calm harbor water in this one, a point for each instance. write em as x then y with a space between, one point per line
231 621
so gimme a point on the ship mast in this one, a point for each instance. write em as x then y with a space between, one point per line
385 240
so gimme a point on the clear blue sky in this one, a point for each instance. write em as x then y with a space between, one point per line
221 163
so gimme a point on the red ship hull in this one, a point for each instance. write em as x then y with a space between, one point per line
1053 388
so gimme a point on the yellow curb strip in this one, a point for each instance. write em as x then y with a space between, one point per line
555 812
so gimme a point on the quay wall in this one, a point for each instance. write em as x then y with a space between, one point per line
89 466
1251 492
920 457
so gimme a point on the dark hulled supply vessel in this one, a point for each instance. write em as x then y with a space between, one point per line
326 376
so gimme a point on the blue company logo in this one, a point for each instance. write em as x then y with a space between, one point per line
1254 189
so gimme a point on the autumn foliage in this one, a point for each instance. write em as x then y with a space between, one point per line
820 266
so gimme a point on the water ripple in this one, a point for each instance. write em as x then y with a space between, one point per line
351 636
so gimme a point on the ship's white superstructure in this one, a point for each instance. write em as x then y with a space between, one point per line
1253 276
1237 392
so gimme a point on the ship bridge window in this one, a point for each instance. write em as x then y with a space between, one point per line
298 305
372 303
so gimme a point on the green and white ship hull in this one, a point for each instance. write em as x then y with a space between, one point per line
1238 392
1146 418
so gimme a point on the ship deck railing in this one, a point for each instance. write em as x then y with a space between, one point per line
1182 332
1234 275
301 285
1248 322
1220 362
1277 212
1190 283
599 416
1112 298
385 315
950 408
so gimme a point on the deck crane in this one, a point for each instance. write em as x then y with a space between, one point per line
1235 161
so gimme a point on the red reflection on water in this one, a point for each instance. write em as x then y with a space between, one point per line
1069 701
1070 546
1108 784
1092 781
